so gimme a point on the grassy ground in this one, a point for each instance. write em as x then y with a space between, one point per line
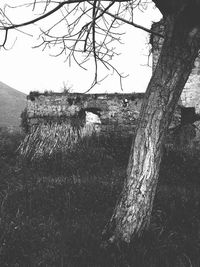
53 211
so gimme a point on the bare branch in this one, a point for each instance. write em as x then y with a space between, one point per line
14 26
91 29
134 24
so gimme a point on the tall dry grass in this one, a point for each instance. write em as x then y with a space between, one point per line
53 210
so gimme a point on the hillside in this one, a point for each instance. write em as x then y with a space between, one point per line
12 103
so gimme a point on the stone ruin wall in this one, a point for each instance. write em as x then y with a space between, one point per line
190 96
111 113
117 112
58 121
50 118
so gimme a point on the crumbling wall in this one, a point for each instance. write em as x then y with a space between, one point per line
190 96
186 135
116 112
57 122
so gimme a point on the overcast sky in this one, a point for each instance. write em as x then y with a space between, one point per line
27 69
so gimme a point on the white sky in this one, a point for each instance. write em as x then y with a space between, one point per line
27 69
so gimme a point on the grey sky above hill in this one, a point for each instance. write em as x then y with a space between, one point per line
28 69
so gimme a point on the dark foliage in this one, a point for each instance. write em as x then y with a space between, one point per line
33 94
24 121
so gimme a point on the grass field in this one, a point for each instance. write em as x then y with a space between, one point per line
53 211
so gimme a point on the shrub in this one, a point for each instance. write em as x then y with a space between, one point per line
9 143
24 121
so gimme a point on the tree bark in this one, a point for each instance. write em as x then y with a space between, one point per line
133 210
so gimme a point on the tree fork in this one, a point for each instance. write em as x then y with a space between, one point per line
133 210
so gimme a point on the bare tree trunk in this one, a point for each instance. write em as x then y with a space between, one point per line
180 48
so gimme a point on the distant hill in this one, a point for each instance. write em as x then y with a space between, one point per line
12 103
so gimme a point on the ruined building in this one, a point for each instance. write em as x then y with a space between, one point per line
111 112
56 120
188 131
190 96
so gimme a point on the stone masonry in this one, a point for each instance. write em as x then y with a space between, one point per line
53 116
113 112
190 96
